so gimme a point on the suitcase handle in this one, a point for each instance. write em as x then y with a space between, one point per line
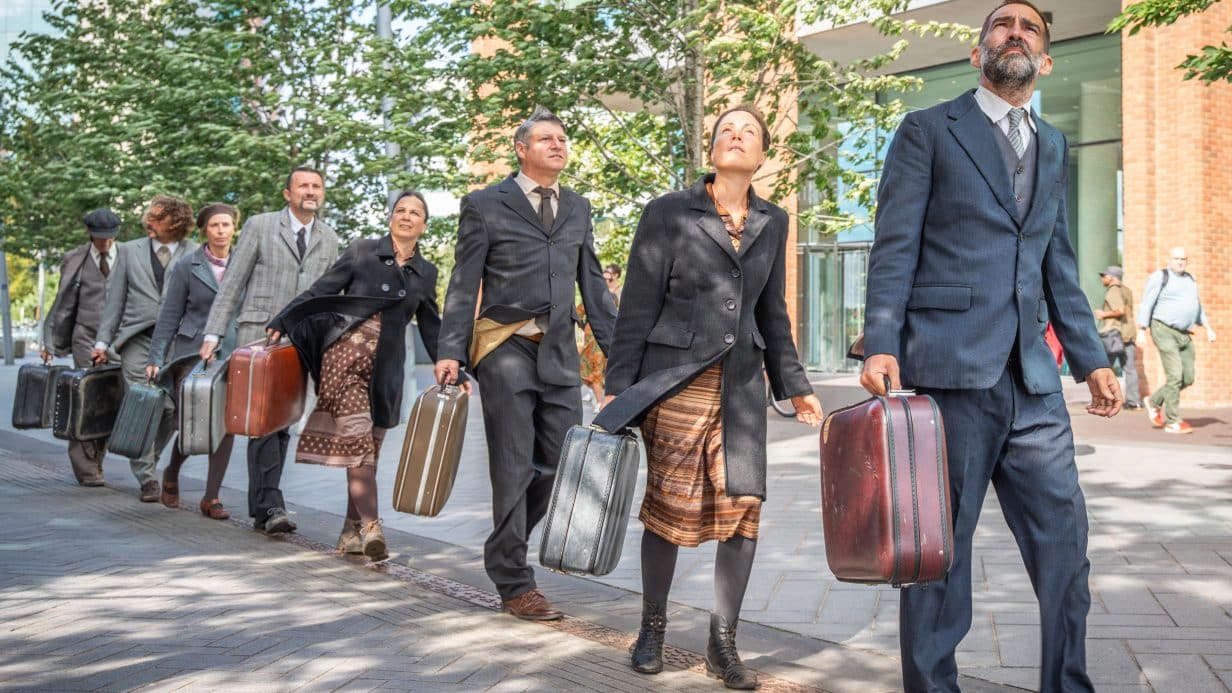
891 392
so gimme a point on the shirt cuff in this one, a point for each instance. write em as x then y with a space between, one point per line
210 339
100 345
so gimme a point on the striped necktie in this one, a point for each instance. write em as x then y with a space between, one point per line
1015 133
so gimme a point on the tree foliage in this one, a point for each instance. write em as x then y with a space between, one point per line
209 100
1210 64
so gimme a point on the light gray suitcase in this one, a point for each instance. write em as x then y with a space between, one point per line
431 451
584 529
203 405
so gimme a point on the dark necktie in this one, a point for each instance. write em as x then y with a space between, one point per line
301 244
103 267
546 216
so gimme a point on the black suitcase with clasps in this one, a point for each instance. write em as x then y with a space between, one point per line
87 401
34 403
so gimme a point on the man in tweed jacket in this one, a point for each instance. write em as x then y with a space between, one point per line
278 255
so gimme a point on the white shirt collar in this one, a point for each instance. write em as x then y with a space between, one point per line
997 108
169 246
95 254
528 185
296 225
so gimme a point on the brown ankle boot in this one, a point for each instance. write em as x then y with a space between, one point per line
348 539
374 541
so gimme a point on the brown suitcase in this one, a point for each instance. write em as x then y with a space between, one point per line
266 387
885 491
431 451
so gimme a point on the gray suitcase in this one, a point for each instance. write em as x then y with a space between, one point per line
203 408
87 401
34 405
136 424
431 451
589 512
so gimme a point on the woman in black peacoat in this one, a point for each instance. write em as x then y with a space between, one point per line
704 299
334 327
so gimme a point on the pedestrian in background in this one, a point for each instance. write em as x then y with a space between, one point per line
71 326
707 298
134 294
971 259
1170 309
1117 330
278 256
611 275
192 285
350 329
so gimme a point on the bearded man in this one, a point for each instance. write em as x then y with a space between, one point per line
970 261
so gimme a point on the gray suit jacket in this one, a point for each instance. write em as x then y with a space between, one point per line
265 273
62 316
133 295
190 289
957 282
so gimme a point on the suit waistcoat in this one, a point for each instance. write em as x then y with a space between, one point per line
157 266
1021 170
91 294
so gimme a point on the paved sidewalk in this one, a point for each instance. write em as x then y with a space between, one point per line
1161 543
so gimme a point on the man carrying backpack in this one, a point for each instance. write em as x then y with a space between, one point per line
1116 330
1170 308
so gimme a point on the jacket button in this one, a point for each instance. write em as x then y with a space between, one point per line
731 304
384 287
389 262
729 338
1020 170
551 242
553 274
735 272
401 292
552 307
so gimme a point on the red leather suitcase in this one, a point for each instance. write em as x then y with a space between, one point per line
266 386
885 491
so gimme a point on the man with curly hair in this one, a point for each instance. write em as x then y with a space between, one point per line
134 292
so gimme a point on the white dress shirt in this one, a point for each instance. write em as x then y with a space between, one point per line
998 111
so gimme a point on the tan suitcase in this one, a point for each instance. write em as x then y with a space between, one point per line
431 451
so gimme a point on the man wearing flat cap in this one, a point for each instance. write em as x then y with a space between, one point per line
1116 328
72 322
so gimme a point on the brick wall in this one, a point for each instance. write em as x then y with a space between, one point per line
1177 146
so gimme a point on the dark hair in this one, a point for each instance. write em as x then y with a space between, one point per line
178 211
304 169
410 193
1045 17
214 209
613 268
751 110
541 115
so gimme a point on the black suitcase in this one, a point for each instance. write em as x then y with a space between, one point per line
87 401
34 403
136 424
589 512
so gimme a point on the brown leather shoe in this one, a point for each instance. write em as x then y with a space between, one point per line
170 496
531 606
212 508
149 492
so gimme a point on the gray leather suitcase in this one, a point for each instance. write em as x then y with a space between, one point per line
34 403
431 451
87 401
586 520
136 424
203 408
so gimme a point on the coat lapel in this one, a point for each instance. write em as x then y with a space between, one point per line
1048 173
145 259
563 209
201 270
284 231
974 134
708 218
513 198
753 225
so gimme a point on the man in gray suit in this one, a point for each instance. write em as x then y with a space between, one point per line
71 326
971 259
529 242
134 292
278 256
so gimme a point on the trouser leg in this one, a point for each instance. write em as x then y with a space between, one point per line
1130 369
1037 487
86 457
935 617
219 459
1168 397
265 459
133 357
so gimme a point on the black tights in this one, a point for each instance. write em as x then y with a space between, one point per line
361 494
733 563
214 474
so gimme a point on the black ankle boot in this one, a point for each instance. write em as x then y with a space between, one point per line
722 660
647 653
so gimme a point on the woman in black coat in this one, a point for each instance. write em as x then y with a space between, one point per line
350 329
704 305
191 285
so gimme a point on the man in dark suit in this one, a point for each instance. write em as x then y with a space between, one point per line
278 256
71 327
971 259
529 242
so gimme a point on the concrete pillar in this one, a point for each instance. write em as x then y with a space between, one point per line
1099 109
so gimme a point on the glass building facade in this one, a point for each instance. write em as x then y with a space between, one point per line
1081 98
17 16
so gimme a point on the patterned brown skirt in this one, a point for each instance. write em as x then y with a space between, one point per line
339 432
686 499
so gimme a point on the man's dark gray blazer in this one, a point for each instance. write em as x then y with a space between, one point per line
529 391
961 287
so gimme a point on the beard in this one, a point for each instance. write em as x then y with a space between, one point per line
1015 71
